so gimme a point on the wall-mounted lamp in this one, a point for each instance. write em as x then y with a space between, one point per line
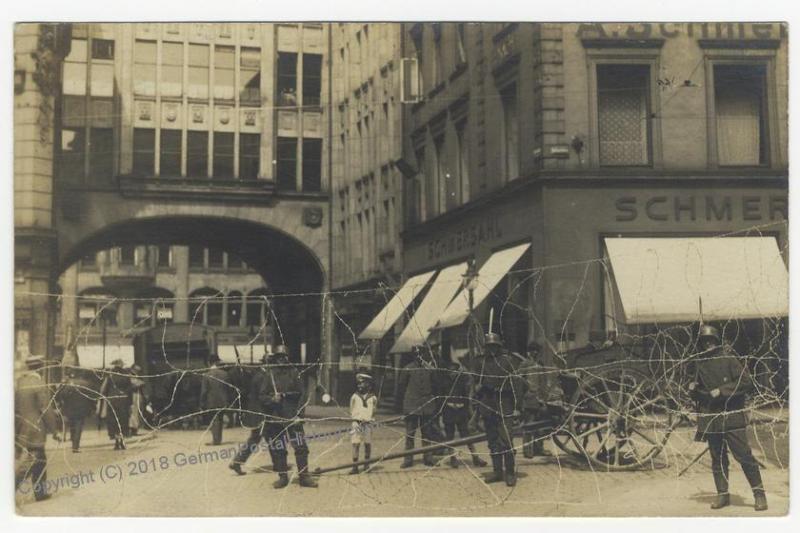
19 81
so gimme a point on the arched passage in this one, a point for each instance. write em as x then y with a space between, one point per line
291 269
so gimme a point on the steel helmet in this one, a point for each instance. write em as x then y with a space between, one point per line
707 331
493 338
281 349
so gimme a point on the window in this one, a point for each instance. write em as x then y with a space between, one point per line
73 151
102 49
510 137
287 163
164 255
439 184
312 165
461 51
95 311
196 257
214 312
741 114
215 258
234 314
144 147
170 154
171 69
74 82
205 307
622 111
197 154
463 162
287 79
89 261
127 255
198 71
223 155
249 155
101 154
436 64
250 76
256 310
312 79
224 64
144 68
102 73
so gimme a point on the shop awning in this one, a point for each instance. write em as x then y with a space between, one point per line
489 276
665 279
91 355
396 306
227 353
441 292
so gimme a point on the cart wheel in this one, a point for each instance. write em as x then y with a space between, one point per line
621 419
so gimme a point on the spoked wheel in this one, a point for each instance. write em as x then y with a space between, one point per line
620 419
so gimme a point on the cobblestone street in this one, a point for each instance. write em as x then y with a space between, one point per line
178 472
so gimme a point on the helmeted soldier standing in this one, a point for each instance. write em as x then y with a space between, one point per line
544 398
34 419
115 392
720 387
499 393
253 418
284 396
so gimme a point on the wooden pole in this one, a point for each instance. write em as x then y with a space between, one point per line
431 448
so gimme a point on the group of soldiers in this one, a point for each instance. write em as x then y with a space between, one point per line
499 388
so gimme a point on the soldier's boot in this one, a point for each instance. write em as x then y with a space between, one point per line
427 459
454 461
497 469
761 500
282 481
528 446
477 461
354 469
236 467
367 455
722 500
511 473
539 450
308 481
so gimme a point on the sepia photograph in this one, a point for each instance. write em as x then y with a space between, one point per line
531 268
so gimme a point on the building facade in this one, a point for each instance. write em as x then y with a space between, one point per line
539 148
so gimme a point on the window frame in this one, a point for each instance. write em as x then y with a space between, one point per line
764 57
650 57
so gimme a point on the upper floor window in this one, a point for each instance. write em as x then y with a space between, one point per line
144 67
312 79
171 69
461 49
510 137
102 68
224 65
197 154
250 76
286 167
127 255
249 155
74 76
144 147
312 165
164 255
741 114
463 162
101 153
623 114
287 79
170 156
198 71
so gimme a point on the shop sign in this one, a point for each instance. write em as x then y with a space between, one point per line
696 30
469 237
690 208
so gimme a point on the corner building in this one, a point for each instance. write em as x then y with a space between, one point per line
579 164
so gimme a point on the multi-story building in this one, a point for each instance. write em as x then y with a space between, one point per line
579 165
110 296
367 183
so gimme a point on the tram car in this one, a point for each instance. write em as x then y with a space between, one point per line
172 358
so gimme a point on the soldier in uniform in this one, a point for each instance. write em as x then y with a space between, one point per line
34 419
284 396
214 392
420 406
76 401
253 418
499 393
543 399
116 393
720 386
454 386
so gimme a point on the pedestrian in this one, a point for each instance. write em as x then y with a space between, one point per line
75 401
283 395
454 386
33 420
720 386
138 400
363 403
115 393
420 405
498 393
214 391
544 399
253 418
